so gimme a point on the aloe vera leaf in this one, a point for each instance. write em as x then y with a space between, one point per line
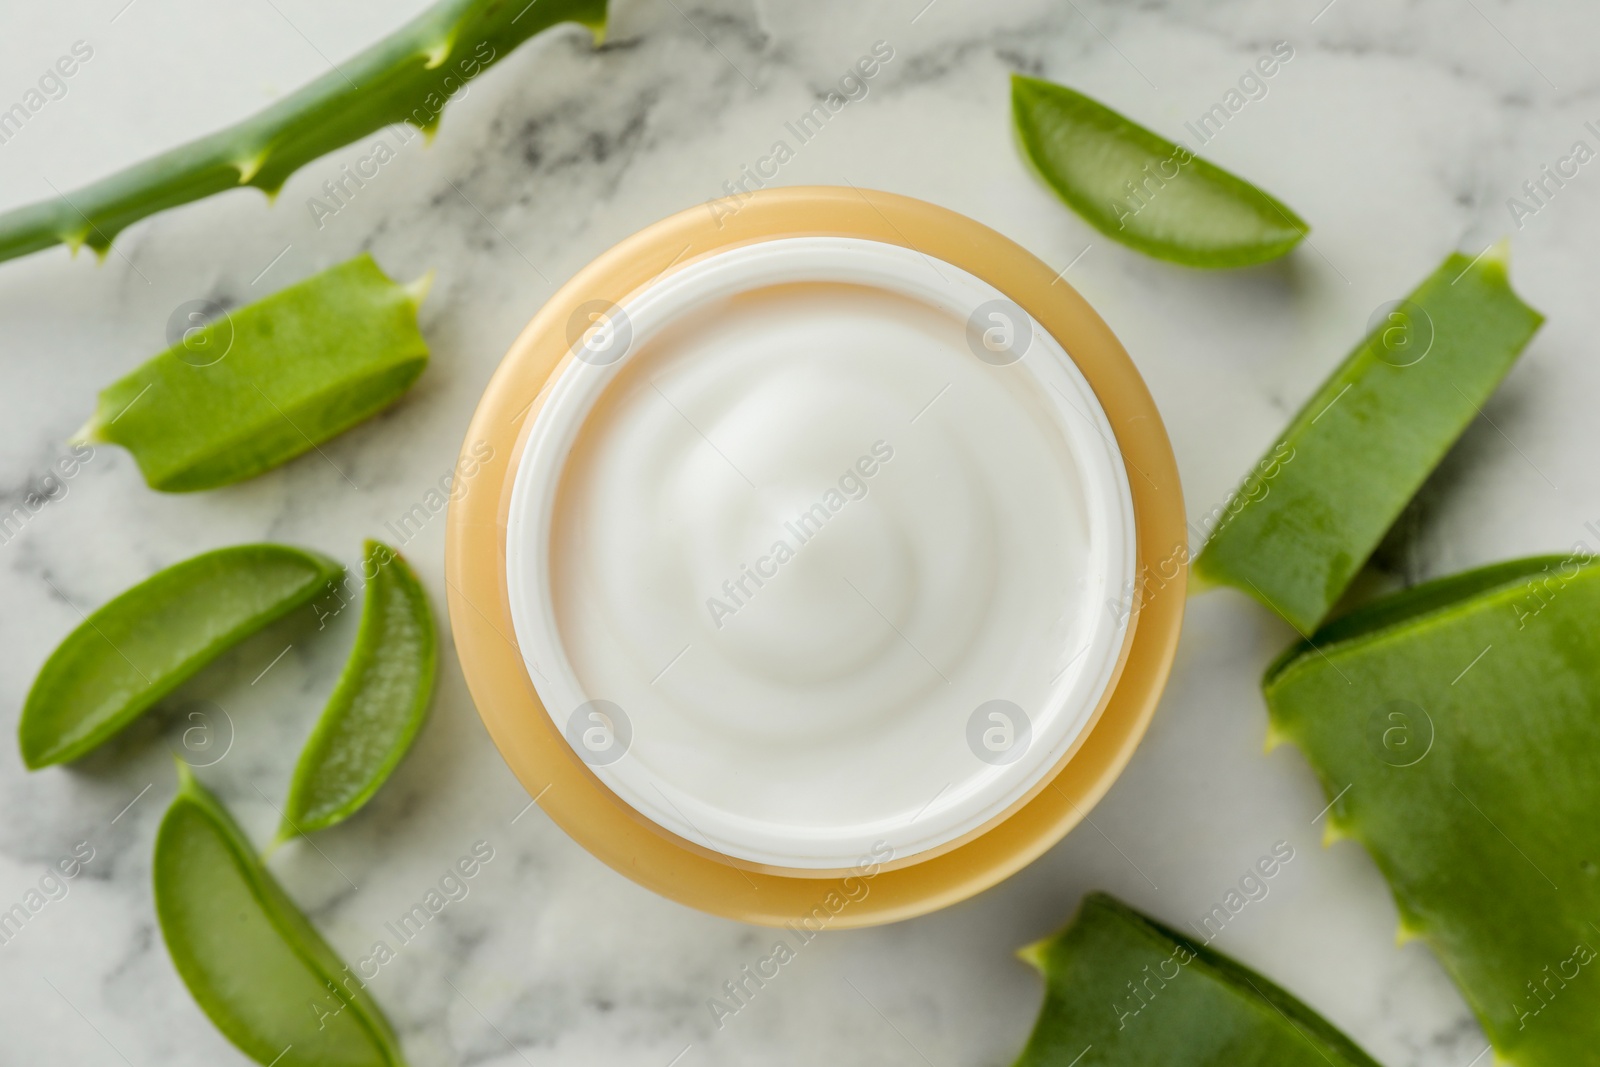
1122 990
1455 730
379 704
1141 189
408 76
1307 517
251 960
277 378
136 648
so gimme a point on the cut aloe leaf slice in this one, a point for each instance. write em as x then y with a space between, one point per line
1311 512
137 648
268 381
1455 729
1121 990
379 704
1143 190
251 960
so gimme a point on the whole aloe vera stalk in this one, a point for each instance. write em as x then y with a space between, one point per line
406 77
1309 514
1124 991
1456 730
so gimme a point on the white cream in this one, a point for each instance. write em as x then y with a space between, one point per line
802 537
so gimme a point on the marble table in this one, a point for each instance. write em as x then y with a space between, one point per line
1399 131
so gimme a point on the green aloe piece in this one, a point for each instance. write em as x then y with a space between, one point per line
379 704
1121 990
1141 189
408 76
137 648
1310 513
267 382
251 960
1456 729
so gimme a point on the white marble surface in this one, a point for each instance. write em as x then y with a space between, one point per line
1397 130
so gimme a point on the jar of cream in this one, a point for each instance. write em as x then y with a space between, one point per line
817 553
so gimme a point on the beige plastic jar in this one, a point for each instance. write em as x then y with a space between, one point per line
821 550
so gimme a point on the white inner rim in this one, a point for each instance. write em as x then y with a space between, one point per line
988 790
